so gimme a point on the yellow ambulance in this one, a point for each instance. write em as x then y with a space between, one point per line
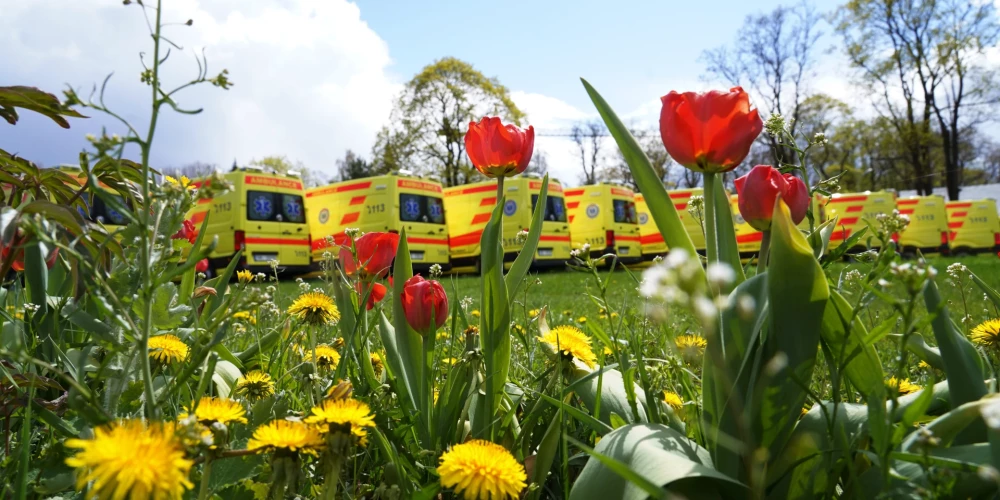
854 209
649 235
96 210
973 226
386 203
748 239
469 208
604 216
928 227
263 214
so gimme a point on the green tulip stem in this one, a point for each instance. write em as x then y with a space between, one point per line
765 250
500 189
711 240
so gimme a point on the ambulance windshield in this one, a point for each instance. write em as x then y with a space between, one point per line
555 209
625 212
267 206
420 208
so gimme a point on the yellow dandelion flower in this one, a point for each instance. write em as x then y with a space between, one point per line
805 409
245 316
286 435
923 365
449 361
184 182
471 330
167 349
127 459
607 351
571 341
244 276
614 315
987 334
474 313
481 470
326 356
315 308
224 411
516 328
346 415
255 385
533 313
673 400
903 386
338 343
377 363
442 335
581 319
567 312
690 347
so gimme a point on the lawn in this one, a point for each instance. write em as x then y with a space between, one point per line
571 293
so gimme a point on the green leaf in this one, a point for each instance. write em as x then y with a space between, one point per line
36 274
642 460
798 295
221 285
527 254
408 343
725 231
951 426
166 312
595 425
614 397
863 367
990 292
80 318
547 451
962 363
660 207
228 355
34 99
225 377
804 467
918 409
726 371
931 355
494 319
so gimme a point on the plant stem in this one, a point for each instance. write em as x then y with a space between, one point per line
711 240
765 251
500 189
205 474
144 247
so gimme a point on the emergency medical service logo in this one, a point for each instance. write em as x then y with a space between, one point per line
643 218
411 208
324 215
509 208
738 218
293 209
593 210
262 207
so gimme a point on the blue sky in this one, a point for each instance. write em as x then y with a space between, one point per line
314 78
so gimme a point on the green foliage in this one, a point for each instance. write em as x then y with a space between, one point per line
36 100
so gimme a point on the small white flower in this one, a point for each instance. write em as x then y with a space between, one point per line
720 275
991 413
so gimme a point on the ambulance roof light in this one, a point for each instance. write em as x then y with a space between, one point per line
254 168
294 173
406 172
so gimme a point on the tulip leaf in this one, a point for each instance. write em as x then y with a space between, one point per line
990 292
726 370
650 185
409 343
527 254
962 363
725 231
642 460
930 355
614 399
798 294
494 322
844 336
221 285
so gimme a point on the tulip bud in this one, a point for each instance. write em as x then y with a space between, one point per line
425 304
758 190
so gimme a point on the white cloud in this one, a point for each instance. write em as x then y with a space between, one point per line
311 77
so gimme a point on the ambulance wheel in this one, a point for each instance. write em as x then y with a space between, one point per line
479 266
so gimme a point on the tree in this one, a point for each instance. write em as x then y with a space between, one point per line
427 125
774 54
819 114
192 170
920 59
353 166
649 139
281 165
588 137
539 163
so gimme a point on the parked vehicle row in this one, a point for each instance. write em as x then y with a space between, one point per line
273 217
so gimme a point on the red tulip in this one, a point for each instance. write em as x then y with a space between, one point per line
498 150
425 304
188 231
16 247
376 294
375 254
758 189
709 132
201 266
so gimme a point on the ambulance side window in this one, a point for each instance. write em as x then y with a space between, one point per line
262 206
291 207
420 208
555 208
624 211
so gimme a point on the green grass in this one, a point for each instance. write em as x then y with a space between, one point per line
574 292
